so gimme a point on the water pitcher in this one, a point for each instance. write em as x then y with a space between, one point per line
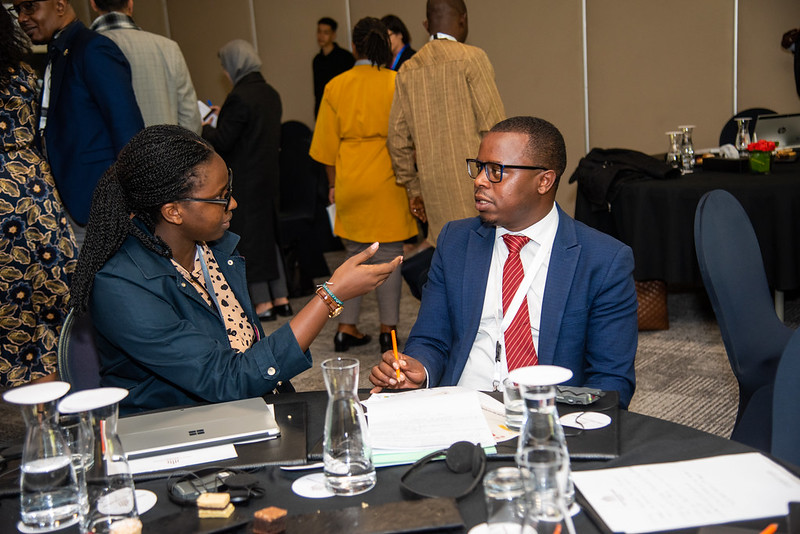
49 489
347 453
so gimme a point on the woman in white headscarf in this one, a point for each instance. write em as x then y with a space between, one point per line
247 137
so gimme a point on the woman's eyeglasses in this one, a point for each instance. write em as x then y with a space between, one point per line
224 200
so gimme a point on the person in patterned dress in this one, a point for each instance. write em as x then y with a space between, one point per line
37 247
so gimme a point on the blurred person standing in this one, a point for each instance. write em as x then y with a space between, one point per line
331 61
789 42
350 140
400 40
161 79
88 109
248 136
37 248
446 98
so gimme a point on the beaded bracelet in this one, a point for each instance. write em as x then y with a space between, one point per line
329 292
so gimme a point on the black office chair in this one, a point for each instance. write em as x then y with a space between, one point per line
78 359
728 133
786 404
733 274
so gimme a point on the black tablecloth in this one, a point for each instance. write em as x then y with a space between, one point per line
656 219
643 439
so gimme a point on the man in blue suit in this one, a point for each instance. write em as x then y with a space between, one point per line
89 109
576 299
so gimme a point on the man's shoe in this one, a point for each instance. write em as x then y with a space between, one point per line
385 341
284 310
343 341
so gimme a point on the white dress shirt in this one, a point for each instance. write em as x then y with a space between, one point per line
480 372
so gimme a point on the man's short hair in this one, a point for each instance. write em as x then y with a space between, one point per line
328 22
545 143
111 5
437 9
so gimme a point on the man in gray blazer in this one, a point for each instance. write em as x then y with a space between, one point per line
161 79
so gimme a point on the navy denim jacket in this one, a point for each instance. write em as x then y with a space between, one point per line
160 340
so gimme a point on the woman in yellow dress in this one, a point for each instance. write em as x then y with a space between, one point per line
350 140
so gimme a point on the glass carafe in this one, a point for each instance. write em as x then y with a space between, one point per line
674 154
109 483
541 425
346 452
49 490
687 149
546 508
742 136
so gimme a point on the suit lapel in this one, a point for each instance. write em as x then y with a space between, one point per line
560 273
478 259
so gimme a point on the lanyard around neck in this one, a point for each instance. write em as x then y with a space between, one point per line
208 284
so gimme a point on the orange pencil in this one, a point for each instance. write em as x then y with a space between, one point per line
771 529
396 358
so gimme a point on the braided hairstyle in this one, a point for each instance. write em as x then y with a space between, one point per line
371 39
157 166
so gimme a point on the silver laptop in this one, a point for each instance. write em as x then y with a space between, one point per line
196 427
783 129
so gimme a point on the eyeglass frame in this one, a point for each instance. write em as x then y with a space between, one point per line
483 166
28 9
224 201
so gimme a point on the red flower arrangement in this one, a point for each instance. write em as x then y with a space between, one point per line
761 146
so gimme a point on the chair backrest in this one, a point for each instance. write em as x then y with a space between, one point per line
786 404
78 358
728 133
732 269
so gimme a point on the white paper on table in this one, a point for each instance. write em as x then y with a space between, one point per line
494 412
427 419
179 459
692 493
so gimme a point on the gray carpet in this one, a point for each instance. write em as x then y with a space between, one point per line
682 374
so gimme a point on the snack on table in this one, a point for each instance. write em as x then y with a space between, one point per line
214 505
207 513
270 520
216 501
131 525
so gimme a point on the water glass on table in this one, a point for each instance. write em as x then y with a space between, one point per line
504 490
514 405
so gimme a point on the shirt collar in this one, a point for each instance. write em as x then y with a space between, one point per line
362 62
542 231
440 35
113 20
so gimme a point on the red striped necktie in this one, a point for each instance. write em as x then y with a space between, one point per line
520 351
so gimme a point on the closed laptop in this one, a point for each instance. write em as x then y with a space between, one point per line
196 426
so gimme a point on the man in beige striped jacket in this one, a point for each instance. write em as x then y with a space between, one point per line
445 99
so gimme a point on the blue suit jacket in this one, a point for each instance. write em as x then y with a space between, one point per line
589 305
92 113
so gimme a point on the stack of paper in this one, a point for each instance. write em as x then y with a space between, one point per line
692 493
406 426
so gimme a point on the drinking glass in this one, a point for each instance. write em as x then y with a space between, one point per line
514 405
346 452
504 490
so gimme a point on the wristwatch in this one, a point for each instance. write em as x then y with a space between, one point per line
334 308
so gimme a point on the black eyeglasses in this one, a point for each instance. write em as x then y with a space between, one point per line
224 200
494 171
27 7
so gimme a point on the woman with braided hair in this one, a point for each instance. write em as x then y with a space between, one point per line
167 291
350 140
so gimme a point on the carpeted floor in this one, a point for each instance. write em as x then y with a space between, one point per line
682 373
